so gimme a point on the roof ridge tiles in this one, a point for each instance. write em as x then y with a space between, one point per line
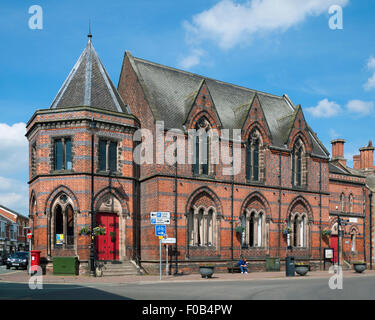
205 77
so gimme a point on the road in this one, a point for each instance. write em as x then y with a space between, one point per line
288 288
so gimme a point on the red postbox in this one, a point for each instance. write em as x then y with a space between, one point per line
35 260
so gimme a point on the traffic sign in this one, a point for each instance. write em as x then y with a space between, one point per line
160 230
168 240
160 217
29 236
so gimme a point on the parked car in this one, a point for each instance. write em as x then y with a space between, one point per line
19 259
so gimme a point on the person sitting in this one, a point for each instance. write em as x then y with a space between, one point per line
243 265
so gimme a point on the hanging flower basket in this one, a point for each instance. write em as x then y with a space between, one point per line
99 231
326 232
84 231
287 231
239 229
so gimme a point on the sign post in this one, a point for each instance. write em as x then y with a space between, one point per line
160 231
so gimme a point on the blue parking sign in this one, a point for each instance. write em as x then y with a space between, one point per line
160 230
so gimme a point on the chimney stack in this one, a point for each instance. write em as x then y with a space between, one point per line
338 151
367 156
357 162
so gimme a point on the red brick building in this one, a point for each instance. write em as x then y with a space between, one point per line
286 182
12 231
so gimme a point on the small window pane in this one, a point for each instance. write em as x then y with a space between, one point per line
68 152
102 155
58 155
112 156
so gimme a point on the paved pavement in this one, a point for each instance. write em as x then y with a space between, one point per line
259 285
21 276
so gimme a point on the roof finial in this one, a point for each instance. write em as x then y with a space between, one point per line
89 35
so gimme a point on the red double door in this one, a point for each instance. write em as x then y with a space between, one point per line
107 246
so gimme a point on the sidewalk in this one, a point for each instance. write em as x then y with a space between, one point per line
23 277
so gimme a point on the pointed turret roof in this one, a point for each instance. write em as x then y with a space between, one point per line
88 84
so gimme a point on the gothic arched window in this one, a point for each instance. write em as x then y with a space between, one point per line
202 153
350 203
298 164
253 153
299 230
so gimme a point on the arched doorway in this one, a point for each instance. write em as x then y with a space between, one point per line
109 215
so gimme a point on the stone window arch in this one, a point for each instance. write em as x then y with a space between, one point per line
299 164
254 228
299 225
353 240
255 156
202 227
63 222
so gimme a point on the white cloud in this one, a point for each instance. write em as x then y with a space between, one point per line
14 195
229 23
325 109
333 134
13 161
192 59
370 84
13 148
360 107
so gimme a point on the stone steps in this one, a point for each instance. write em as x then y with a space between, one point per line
119 268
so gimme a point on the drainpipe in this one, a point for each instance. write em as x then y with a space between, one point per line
364 225
231 222
175 208
279 244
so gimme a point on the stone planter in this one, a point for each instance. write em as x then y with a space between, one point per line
302 269
359 267
206 271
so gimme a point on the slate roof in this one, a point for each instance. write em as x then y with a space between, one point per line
170 93
88 84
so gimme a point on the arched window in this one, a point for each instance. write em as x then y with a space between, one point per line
342 202
353 238
59 226
202 225
260 230
62 222
69 225
298 164
210 229
200 228
251 230
350 203
202 163
253 148
299 230
253 235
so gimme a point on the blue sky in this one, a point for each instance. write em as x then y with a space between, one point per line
268 45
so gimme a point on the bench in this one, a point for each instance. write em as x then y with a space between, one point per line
234 269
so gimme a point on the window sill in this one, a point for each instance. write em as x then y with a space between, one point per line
62 171
108 173
201 247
